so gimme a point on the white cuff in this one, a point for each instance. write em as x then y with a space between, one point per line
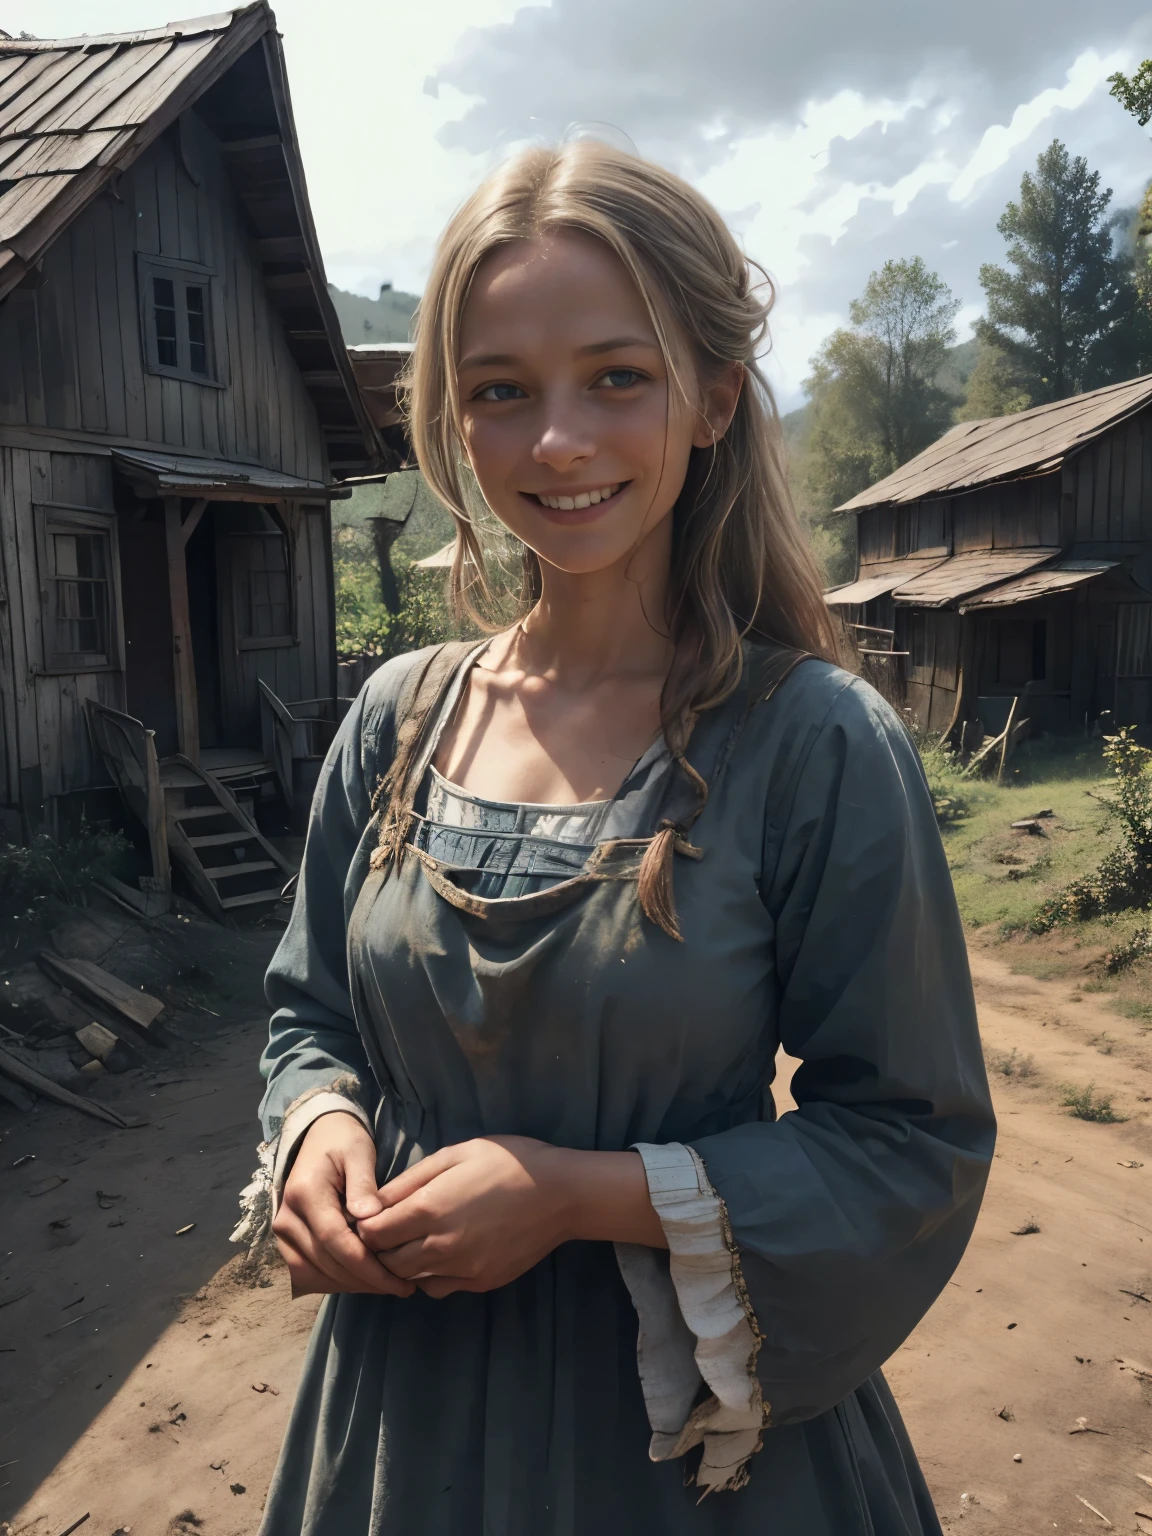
696 1326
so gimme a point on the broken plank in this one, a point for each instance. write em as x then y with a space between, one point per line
28 1077
100 986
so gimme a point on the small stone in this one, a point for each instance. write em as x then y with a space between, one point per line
1017 1457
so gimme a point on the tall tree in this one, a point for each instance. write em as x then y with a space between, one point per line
1134 93
875 400
1062 317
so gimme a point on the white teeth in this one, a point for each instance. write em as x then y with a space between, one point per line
578 503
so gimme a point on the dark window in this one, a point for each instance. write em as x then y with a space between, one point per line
164 309
1134 640
177 320
920 636
78 632
194 297
1022 652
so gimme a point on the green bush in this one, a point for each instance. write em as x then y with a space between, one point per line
942 770
363 624
66 871
1137 947
1123 879
1086 1104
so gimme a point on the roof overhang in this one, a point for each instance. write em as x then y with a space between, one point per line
1066 576
878 580
170 474
377 369
964 574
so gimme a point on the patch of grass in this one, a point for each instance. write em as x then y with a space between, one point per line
44 869
1138 946
1102 1043
1086 1104
1009 1063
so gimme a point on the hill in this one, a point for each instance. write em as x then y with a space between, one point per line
385 318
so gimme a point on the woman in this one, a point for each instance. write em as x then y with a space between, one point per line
565 894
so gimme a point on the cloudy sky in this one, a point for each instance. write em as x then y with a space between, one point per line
831 134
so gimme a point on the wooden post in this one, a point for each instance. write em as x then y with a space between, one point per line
157 821
177 534
1006 749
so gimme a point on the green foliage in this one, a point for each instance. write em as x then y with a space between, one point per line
874 398
1123 879
1138 946
1009 1063
363 623
942 769
994 388
64 871
1134 93
1064 318
1086 1104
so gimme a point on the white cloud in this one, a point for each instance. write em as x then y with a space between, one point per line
1086 76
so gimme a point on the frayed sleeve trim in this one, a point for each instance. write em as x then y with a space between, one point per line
697 1327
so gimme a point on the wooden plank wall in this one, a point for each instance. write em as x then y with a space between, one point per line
71 356
1112 486
45 732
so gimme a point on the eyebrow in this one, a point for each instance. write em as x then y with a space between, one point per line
594 349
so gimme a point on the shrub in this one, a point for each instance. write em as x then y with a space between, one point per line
1123 879
363 624
942 770
1010 1063
1086 1104
1129 951
66 871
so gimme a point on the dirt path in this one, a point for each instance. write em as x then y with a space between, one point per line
146 1415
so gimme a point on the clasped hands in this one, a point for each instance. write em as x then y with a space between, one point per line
470 1217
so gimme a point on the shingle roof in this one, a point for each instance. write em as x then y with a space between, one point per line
1006 447
75 112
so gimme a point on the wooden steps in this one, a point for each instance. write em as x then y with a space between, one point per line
195 799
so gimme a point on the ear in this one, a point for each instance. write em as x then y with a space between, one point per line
718 406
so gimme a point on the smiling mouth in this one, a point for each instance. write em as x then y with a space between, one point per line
580 501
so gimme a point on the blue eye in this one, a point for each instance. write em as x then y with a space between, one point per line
621 378
501 392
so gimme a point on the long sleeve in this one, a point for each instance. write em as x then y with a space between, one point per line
847 1217
314 1062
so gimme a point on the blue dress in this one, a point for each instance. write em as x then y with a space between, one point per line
501 978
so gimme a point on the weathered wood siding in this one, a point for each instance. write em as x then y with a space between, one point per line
45 734
71 354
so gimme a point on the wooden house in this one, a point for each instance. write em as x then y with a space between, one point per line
177 407
1013 559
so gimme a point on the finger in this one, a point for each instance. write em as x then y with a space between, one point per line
407 1223
417 1260
420 1174
360 1196
439 1286
330 1246
305 1280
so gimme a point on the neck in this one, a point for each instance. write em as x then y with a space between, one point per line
595 624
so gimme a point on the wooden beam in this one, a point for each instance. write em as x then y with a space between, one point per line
183 664
241 146
282 248
189 525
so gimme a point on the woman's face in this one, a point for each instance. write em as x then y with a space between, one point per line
576 434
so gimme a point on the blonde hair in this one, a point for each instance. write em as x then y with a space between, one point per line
741 565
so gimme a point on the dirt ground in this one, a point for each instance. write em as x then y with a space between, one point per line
147 1379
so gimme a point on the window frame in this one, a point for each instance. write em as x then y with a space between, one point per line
65 518
184 274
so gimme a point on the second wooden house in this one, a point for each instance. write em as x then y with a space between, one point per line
1013 559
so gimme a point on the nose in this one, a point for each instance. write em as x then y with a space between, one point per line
563 442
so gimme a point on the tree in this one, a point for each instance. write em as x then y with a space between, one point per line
1135 94
994 388
875 400
1062 318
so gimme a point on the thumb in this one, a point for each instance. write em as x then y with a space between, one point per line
360 1197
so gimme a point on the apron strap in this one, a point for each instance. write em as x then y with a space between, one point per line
416 712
